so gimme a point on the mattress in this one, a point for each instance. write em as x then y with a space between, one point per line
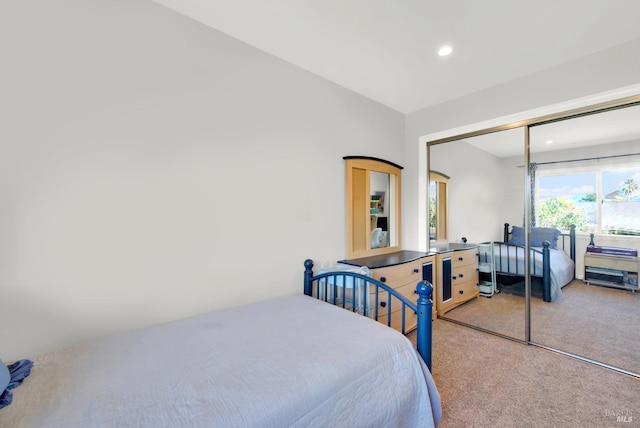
291 361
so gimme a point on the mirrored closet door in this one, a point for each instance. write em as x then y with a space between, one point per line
485 190
581 296
586 171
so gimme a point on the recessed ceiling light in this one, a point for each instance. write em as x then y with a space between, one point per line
549 142
445 50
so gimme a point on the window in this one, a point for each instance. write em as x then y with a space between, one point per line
598 198
620 202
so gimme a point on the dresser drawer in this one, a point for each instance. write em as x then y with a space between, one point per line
399 274
407 290
465 273
410 319
464 258
385 299
464 291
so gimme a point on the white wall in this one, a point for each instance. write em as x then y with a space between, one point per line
511 198
598 73
474 190
153 168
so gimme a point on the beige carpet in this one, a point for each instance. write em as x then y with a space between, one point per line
602 324
488 381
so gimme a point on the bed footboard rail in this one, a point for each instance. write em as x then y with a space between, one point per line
565 240
509 260
365 295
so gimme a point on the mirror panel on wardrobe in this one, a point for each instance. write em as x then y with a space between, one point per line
586 171
485 191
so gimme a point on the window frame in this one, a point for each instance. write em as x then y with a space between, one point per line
595 166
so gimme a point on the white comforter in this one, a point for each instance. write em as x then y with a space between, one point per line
291 361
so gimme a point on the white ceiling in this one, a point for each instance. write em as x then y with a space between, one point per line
386 49
614 126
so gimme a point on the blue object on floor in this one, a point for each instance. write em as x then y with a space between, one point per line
18 371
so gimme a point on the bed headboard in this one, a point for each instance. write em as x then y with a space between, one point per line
566 240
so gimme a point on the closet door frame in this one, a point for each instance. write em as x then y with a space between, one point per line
590 105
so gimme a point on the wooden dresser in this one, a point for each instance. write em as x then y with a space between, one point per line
457 278
402 271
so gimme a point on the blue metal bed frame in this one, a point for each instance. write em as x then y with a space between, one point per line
327 286
505 248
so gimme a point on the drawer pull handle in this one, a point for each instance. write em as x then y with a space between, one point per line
453 277
416 270
383 304
460 258
461 291
383 279
461 275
